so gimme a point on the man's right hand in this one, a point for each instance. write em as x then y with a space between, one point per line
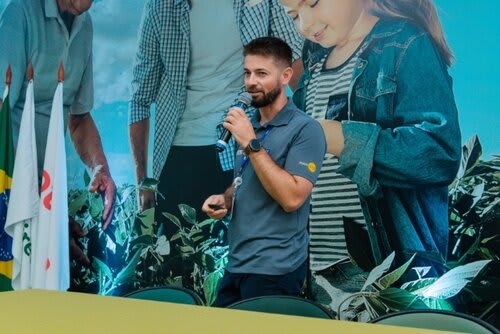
145 199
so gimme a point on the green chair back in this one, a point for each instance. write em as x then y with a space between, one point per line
283 305
170 294
438 320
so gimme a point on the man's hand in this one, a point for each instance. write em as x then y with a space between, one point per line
215 207
145 199
104 184
240 127
88 144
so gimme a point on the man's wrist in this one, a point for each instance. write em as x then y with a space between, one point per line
253 146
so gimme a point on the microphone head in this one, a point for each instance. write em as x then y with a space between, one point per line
245 98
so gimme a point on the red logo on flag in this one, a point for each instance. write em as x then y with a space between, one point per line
46 199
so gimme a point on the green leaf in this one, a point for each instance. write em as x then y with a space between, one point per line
188 213
208 262
86 178
186 250
398 299
396 274
128 273
176 236
374 307
96 206
173 219
418 284
438 304
126 193
490 206
196 239
147 218
421 271
207 222
121 233
76 204
195 232
210 286
453 281
162 246
477 193
471 152
102 267
186 241
378 271
143 240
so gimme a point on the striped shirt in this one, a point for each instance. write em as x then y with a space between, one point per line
162 61
334 196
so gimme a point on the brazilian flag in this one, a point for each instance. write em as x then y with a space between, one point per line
6 169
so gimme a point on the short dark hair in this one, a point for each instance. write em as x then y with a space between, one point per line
270 47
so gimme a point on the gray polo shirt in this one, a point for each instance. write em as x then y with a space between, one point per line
263 238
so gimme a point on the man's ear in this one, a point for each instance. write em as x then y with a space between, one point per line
286 75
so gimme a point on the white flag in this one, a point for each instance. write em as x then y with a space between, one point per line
51 249
24 198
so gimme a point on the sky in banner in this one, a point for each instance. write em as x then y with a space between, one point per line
471 27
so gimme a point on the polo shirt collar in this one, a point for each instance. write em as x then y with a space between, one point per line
282 118
51 9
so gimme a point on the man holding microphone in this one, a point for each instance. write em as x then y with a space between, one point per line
277 163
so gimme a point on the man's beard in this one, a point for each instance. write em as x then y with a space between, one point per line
267 98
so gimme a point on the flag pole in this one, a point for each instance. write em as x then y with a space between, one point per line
8 79
29 72
60 73
8 76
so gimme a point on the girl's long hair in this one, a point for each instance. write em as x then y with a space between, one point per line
422 13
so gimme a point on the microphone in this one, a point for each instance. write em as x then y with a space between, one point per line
243 102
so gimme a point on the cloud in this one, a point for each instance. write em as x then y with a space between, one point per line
116 27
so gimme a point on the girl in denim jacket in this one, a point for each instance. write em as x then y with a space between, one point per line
395 130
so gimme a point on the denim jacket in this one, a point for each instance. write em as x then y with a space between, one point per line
402 140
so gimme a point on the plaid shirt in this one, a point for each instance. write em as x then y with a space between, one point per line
162 60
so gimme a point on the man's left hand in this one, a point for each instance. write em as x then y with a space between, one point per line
104 184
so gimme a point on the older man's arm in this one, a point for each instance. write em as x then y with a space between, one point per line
88 145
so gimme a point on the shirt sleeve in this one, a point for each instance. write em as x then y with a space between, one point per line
13 52
148 67
84 99
424 149
282 26
306 153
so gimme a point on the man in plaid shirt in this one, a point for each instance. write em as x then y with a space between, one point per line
189 64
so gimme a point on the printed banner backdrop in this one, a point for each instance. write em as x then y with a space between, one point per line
133 252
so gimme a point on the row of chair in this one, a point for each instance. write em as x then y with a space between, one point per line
427 319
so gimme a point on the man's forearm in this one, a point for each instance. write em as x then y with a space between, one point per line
228 197
139 137
288 190
87 141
